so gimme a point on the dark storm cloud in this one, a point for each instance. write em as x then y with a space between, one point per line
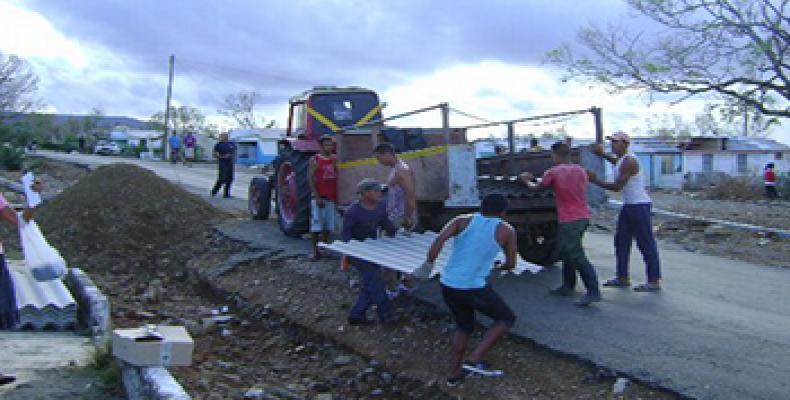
282 47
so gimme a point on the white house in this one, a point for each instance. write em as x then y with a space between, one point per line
256 145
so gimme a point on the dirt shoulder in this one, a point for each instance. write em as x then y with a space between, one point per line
772 214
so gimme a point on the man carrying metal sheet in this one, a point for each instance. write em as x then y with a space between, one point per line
360 222
478 240
569 182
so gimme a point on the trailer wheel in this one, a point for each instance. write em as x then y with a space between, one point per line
293 193
538 245
259 198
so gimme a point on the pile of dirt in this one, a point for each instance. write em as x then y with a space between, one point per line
124 217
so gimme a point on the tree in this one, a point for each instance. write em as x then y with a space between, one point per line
241 108
181 118
18 83
734 49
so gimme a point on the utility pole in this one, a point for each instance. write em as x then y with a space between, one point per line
167 107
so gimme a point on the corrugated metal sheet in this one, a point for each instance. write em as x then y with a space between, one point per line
405 253
42 305
511 187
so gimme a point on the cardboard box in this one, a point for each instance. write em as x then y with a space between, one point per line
166 346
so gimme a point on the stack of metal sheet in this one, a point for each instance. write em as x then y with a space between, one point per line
407 252
43 305
510 186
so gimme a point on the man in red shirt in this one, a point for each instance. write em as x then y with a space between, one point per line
323 184
770 181
569 182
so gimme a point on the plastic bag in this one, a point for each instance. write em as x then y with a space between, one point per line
44 261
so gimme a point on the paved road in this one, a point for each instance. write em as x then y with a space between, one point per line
719 330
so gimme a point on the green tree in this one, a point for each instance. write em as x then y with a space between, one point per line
732 49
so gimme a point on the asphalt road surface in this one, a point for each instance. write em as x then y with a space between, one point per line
720 329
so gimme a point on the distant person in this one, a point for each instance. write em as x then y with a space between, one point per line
361 222
322 176
569 141
224 152
569 182
500 150
81 144
190 142
401 204
175 148
478 239
634 219
770 181
534 145
9 315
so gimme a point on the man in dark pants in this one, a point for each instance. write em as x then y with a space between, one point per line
362 221
634 219
225 153
569 182
478 240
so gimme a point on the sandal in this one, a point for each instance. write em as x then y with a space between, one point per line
618 282
647 287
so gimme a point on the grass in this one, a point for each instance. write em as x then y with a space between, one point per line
106 368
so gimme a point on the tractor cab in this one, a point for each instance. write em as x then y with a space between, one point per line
328 110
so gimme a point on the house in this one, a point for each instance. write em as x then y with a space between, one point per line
675 163
486 147
734 156
256 145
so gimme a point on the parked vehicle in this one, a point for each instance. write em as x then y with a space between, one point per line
449 179
107 148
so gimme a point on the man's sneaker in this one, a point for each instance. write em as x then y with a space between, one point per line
6 379
588 299
562 291
618 282
648 287
404 290
392 294
482 368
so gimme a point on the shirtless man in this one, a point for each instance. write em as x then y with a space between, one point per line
401 205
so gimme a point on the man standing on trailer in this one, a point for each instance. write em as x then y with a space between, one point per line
322 176
634 219
478 240
569 182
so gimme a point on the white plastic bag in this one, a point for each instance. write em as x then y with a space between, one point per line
44 261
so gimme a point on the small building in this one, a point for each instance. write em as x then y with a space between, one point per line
256 145
734 156
660 160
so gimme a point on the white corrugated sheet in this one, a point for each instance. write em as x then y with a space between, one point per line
43 304
405 253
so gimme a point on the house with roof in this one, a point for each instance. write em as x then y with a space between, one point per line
256 145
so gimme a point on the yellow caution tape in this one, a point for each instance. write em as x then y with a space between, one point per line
364 120
404 156
324 120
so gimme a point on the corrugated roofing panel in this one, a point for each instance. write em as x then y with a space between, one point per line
406 252
42 305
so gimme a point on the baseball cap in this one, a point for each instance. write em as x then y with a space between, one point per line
368 184
620 136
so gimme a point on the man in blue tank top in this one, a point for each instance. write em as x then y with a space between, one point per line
478 238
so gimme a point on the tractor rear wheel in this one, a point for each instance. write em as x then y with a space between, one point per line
293 193
538 244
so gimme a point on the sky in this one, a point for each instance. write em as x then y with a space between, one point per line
484 58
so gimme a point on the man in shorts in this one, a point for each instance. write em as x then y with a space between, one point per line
322 176
478 239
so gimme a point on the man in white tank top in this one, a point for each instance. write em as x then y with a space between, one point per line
634 220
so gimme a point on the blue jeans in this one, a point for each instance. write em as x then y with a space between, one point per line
371 292
635 221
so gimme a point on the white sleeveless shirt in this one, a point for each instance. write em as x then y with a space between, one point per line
634 191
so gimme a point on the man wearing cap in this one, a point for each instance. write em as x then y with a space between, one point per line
478 239
362 221
634 220
322 177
